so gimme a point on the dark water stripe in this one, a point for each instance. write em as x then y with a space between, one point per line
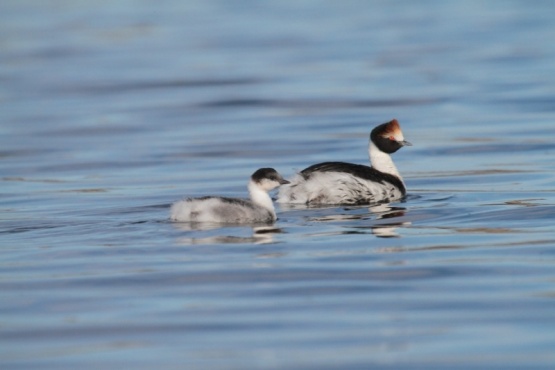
322 103
119 87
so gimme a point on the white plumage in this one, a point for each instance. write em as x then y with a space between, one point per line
337 188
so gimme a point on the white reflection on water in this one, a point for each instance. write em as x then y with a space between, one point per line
260 234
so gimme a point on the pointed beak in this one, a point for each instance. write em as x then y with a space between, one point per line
283 182
405 143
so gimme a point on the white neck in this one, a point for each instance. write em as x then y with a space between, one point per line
261 198
382 161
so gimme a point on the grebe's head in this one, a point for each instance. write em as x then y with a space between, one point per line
388 137
268 179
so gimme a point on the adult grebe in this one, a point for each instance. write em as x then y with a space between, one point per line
348 183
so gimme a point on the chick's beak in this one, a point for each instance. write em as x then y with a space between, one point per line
283 182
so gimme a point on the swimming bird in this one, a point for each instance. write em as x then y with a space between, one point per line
349 183
259 209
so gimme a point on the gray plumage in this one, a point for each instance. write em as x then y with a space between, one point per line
259 209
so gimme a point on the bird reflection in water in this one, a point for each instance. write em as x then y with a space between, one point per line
383 217
262 234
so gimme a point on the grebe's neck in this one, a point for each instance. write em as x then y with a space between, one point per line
382 161
261 198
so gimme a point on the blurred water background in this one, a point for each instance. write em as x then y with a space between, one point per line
110 111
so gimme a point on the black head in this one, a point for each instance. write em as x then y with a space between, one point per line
268 174
388 137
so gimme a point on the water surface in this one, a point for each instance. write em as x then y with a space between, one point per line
111 112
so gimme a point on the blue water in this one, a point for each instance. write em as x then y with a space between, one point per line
111 111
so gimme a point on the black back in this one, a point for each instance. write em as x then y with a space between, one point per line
357 170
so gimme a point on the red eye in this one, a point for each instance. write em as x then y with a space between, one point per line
391 138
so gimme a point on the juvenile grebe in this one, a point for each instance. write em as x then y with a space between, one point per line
233 210
348 183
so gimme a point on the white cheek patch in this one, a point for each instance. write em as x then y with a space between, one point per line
268 185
